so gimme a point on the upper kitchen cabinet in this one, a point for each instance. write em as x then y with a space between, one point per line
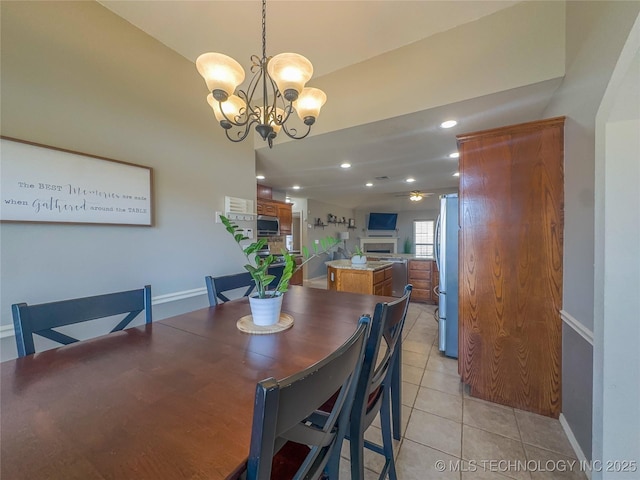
275 208
510 264
285 215
264 192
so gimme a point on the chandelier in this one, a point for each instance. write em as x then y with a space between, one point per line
279 80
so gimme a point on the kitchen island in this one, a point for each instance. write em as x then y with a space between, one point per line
422 273
373 277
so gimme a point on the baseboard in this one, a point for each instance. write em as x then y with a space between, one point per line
8 331
574 444
580 329
175 296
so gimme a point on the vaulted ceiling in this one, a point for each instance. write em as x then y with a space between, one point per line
392 71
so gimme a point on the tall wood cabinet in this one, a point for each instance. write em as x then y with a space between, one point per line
510 264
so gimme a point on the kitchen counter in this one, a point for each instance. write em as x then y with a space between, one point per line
371 266
407 256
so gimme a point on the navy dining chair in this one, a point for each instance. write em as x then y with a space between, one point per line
43 318
218 286
291 437
374 391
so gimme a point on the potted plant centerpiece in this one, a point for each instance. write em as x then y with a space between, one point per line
358 258
266 303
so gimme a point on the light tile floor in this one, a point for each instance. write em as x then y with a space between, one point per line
449 435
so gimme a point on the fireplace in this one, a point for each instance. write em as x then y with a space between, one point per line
379 244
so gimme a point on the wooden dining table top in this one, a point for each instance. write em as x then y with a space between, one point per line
168 400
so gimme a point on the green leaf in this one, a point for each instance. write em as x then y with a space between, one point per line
305 251
238 237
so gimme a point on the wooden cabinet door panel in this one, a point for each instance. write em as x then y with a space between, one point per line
421 284
419 265
420 274
355 281
420 295
286 219
270 209
264 192
511 198
387 288
378 276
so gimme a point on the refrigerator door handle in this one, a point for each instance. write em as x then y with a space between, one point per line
437 242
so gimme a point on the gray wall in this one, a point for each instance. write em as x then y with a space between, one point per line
78 77
596 32
316 209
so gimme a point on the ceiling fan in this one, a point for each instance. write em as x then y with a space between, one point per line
414 195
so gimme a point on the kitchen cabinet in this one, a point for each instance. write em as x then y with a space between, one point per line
275 208
510 264
285 216
423 275
372 278
263 191
297 277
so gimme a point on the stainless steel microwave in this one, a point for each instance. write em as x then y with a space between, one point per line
268 226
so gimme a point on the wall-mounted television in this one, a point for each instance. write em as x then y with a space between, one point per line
382 221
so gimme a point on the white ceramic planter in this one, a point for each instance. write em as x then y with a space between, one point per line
358 259
265 311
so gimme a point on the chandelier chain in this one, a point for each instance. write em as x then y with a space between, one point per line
264 29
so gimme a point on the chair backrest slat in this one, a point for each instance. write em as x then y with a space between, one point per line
42 318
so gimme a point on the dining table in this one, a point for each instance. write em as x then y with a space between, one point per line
172 399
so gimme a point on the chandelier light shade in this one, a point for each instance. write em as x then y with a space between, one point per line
291 72
279 81
221 73
309 103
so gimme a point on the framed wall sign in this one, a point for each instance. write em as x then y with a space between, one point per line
46 184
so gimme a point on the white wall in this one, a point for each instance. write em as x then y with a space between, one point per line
616 409
595 33
78 77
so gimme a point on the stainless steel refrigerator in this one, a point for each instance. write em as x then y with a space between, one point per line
446 248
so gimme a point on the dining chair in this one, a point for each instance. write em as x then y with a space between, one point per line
218 286
374 391
290 437
41 319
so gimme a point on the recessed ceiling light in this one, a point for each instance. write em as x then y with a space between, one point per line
260 177
345 165
410 180
296 187
457 174
454 155
448 124
369 184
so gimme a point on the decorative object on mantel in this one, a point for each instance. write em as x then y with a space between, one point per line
266 304
358 258
282 78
